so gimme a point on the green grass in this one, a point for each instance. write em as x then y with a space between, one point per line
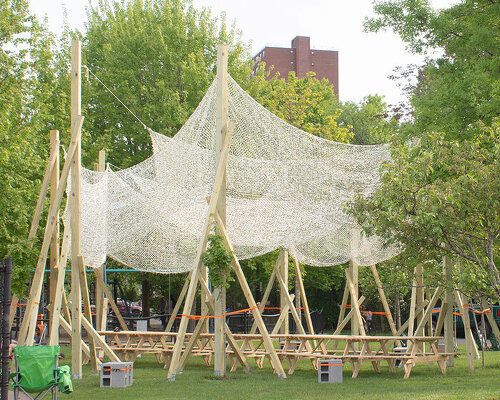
198 382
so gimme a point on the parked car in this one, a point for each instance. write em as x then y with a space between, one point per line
135 308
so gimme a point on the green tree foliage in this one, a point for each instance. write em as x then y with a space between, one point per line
307 103
462 84
159 58
442 197
369 120
28 109
218 261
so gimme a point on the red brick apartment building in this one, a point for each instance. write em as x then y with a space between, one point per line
302 59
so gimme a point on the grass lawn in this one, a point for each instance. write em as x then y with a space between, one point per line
198 382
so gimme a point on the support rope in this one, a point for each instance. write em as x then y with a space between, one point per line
115 96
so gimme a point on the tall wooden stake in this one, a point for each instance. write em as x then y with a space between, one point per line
356 323
419 278
76 296
221 128
101 311
285 328
54 244
448 321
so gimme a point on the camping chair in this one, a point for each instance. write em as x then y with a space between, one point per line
37 371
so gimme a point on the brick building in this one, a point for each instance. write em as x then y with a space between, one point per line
302 59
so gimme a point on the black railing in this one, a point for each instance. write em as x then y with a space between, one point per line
6 299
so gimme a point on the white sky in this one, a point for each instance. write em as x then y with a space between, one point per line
365 59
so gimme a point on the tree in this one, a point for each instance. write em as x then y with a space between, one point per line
307 103
369 120
442 197
27 111
159 58
460 85
440 193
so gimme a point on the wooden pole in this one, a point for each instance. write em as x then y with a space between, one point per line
54 244
59 290
300 283
112 303
385 304
494 327
356 323
470 344
419 278
76 296
267 292
178 304
413 299
448 319
87 311
284 295
355 306
101 312
221 128
343 306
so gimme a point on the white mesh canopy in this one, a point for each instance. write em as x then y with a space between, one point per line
285 189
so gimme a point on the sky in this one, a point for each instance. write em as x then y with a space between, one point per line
365 59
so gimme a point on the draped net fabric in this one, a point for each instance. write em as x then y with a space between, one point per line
285 189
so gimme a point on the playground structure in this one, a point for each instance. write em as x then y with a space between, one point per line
275 214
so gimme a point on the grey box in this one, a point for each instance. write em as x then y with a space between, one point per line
117 374
330 370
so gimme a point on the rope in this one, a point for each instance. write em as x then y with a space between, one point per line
485 311
115 96
198 317
365 312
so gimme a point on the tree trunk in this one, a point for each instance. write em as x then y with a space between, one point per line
146 299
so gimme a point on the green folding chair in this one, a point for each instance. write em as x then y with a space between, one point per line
37 373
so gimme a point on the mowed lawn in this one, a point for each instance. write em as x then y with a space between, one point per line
198 382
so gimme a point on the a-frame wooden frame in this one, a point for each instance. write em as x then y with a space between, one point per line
73 319
216 207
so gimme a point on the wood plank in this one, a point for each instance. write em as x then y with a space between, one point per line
300 282
267 292
47 177
385 304
178 303
67 327
75 211
284 294
98 339
343 306
59 289
221 129
355 304
28 326
87 310
413 300
54 245
283 315
449 340
494 326
112 303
